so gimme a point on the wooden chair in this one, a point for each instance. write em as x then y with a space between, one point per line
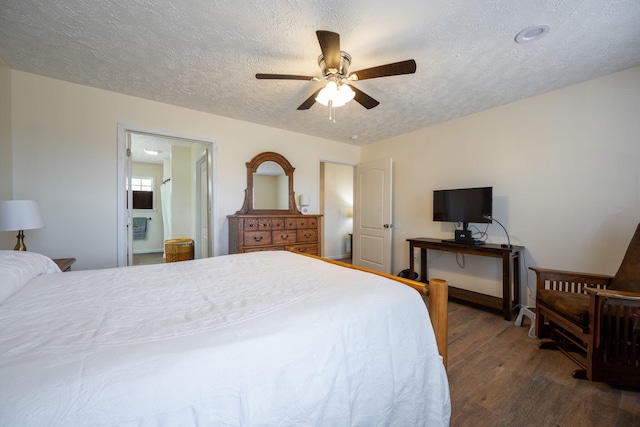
594 319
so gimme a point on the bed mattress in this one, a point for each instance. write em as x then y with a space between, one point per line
260 339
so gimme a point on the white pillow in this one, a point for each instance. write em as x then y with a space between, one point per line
18 267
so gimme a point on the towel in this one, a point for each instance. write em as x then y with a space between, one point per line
139 228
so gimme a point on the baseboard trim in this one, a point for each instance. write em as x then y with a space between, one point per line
147 251
334 257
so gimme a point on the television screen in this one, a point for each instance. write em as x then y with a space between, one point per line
463 205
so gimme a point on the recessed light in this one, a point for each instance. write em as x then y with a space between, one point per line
152 152
532 33
355 137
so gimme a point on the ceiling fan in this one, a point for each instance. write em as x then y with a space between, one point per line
334 64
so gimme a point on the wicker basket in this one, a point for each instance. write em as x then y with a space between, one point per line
178 250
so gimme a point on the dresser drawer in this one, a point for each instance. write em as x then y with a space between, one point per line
306 223
282 237
311 249
251 224
254 238
264 248
290 224
264 223
271 232
307 236
277 224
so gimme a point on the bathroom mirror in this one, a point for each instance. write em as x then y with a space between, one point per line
269 185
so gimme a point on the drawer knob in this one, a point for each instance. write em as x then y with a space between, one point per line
257 238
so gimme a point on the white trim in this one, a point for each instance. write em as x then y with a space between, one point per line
343 256
215 249
148 251
338 162
123 130
206 159
121 192
322 159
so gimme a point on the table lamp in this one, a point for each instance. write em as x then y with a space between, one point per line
20 215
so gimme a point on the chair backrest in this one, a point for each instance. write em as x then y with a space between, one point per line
628 276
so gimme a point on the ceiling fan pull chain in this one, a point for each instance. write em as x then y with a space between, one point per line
332 111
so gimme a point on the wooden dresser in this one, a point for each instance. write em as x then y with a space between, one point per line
274 232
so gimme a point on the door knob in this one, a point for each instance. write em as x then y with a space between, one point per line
388 225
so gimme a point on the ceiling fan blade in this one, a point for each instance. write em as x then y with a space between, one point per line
330 46
309 101
363 99
397 68
261 76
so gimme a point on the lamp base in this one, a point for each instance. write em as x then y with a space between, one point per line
20 245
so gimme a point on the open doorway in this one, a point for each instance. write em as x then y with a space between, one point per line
174 174
336 206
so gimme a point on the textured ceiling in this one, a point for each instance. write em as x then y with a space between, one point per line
204 54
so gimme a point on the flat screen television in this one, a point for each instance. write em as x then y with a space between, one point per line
463 205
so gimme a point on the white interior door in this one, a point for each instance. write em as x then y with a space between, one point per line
203 206
372 216
129 204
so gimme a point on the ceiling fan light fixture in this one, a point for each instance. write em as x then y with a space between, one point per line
327 93
338 95
334 64
342 70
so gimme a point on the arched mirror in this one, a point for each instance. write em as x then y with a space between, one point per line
269 185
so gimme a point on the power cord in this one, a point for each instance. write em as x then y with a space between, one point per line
479 234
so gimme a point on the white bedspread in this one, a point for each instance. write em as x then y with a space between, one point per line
261 339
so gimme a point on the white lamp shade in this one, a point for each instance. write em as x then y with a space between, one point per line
304 200
20 215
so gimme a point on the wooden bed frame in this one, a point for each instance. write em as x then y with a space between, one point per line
438 292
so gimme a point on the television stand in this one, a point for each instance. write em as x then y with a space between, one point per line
475 242
510 301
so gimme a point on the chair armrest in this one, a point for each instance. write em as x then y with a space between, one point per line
569 281
627 306
612 293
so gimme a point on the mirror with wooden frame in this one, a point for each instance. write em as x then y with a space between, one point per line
269 186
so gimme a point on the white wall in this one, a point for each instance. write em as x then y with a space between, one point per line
6 155
563 166
182 193
7 239
564 170
65 155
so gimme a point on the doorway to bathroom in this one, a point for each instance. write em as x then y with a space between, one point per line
173 176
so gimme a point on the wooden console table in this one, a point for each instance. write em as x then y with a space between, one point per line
510 301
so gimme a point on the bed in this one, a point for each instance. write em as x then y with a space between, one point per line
257 339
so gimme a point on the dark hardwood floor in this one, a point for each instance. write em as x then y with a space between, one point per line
150 258
499 377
